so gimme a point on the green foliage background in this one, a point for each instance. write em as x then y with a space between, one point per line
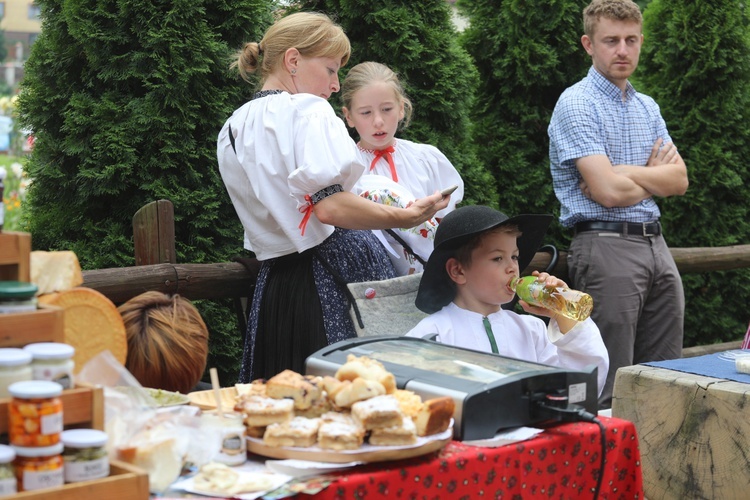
126 98
696 64
527 53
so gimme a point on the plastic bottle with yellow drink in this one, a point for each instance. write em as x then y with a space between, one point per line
570 303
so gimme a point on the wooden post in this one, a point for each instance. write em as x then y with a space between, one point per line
153 234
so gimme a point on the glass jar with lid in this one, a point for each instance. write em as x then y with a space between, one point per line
15 366
8 481
85 456
36 413
52 361
38 468
17 296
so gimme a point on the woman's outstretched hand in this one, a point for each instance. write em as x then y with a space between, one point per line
425 208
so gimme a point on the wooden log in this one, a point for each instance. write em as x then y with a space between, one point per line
693 446
193 281
232 279
688 260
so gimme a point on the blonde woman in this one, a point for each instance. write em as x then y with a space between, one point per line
289 165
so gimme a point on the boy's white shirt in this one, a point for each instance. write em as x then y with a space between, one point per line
521 336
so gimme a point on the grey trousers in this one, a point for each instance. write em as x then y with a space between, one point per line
639 302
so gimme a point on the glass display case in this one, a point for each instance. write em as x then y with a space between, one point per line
491 392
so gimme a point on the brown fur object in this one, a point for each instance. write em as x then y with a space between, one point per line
167 341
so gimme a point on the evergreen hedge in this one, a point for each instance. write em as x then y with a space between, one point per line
526 53
696 64
126 99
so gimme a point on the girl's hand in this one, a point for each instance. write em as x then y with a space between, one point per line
424 209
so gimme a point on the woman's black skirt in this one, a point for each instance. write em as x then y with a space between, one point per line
299 306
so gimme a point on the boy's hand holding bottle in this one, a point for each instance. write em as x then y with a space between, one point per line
545 295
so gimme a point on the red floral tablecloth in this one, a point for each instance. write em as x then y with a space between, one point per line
561 463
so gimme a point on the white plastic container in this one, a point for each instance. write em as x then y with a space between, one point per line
85 455
8 483
15 366
53 361
231 430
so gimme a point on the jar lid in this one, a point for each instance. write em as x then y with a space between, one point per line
12 356
41 451
84 438
17 290
34 389
7 454
50 350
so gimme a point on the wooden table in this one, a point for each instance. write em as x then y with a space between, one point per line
562 463
694 431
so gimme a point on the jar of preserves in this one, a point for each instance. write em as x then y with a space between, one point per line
36 413
7 475
15 366
38 468
84 455
52 361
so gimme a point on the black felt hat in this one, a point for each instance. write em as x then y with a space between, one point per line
436 288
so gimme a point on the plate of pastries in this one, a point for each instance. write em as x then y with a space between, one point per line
357 415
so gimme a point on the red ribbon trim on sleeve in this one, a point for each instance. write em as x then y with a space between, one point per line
307 210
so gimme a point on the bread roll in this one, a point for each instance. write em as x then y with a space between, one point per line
358 390
368 369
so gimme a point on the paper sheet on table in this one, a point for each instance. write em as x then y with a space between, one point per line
247 470
508 436
303 468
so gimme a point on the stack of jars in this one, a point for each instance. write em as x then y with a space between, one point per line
35 427
51 361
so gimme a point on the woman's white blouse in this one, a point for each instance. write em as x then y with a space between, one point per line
289 146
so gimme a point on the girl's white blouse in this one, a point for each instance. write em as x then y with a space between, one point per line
288 146
421 168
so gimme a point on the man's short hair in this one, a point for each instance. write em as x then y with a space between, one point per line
616 10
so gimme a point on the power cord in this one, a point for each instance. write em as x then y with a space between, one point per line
556 407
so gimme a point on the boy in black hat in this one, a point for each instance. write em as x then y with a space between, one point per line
465 283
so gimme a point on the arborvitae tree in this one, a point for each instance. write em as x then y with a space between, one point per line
696 64
419 41
527 53
126 99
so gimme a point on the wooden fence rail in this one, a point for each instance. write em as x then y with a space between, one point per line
232 279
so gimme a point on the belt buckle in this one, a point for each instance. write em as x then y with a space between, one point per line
644 226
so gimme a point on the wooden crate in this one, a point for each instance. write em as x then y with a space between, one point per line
15 256
82 407
124 482
21 328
